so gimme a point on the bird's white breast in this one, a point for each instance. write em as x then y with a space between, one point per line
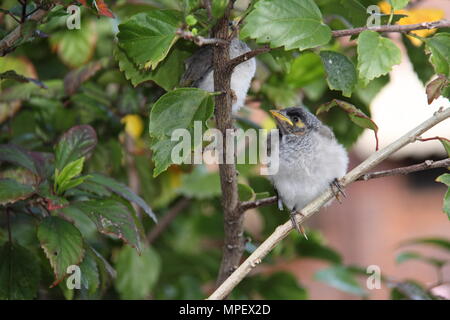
304 175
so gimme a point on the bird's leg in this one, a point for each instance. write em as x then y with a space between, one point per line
337 190
279 201
297 226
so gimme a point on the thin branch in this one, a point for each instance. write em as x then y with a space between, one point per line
283 230
7 43
349 32
199 40
246 56
393 28
167 219
426 165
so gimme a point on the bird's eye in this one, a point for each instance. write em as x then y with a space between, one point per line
295 119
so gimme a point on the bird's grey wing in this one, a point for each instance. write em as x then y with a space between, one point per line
197 67
326 132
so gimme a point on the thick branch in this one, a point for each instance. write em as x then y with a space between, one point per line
283 230
233 247
426 165
393 28
7 43
167 219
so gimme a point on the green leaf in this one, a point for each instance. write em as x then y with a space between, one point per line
19 156
136 274
12 191
376 55
341 278
409 290
62 244
356 115
123 191
281 286
445 179
70 171
246 193
419 60
177 109
78 142
439 45
147 37
437 242
341 73
200 184
315 247
75 47
305 69
398 4
19 273
446 145
409 255
113 218
294 24
90 277
167 75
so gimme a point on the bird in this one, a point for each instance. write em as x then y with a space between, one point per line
200 72
309 161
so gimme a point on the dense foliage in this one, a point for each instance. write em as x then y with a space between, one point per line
83 177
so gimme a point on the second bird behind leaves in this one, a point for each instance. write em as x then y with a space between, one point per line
310 160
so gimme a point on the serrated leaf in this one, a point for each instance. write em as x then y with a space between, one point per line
123 191
177 109
62 243
435 87
78 142
12 191
136 274
341 73
439 45
355 114
147 37
341 278
294 24
19 273
376 55
167 75
112 218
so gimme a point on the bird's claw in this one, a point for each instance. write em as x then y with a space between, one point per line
296 225
337 190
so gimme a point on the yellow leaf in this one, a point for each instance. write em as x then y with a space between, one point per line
415 16
134 125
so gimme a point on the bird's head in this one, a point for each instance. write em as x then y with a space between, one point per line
296 120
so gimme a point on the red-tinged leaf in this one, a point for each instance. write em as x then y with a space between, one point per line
12 191
356 115
102 8
75 78
434 88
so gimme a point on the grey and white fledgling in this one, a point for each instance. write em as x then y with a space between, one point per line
200 74
310 159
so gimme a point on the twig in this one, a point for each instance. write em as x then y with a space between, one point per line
246 56
426 165
283 230
167 219
199 40
7 43
393 28
433 138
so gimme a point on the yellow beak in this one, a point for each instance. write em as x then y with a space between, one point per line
277 115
